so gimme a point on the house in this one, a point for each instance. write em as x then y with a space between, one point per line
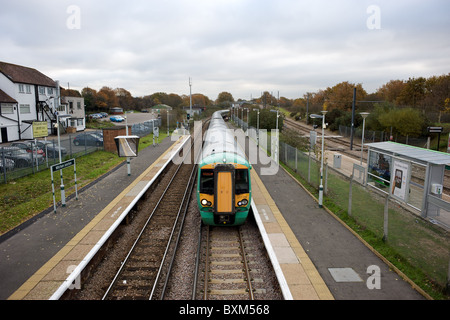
75 107
28 96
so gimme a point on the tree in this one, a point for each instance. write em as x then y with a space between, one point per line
90 98
413 92
391 91
107 98
224 99
124 98
341 95
406 121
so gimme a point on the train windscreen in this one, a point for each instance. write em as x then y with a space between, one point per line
207 181
241 181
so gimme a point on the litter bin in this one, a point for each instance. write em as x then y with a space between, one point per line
337 161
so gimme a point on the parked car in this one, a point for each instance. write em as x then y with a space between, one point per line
95 116
52 148
117 118
6 164
89 139
103 114
21 157
28 146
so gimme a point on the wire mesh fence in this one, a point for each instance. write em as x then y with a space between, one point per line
22 158
423 244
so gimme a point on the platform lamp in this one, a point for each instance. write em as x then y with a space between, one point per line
324 112
257 126
364 116
63 194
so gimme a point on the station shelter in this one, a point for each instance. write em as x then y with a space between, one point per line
412 175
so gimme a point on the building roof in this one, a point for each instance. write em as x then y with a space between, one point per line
413 153
5 98
20 74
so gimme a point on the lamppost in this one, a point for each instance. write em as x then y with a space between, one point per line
324 112
63 193
276 137
257 127
364 115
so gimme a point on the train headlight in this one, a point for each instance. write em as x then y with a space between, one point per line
206 203
243 202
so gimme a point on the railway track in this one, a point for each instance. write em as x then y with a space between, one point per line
138 276
229 266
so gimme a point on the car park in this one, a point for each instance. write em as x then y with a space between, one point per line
88 139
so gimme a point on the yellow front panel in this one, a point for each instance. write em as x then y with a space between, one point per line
224 192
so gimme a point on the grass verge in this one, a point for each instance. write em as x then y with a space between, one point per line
23 198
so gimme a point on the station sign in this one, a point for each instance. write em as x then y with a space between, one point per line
63 165
40 129
435 129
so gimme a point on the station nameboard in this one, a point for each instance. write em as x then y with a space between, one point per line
63 165
435 129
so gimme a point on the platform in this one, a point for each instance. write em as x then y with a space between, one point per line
297 275
58 274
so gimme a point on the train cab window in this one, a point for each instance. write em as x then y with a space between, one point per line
207 181
241 181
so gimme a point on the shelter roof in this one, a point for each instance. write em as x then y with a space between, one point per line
413 153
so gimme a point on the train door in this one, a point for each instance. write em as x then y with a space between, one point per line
224 194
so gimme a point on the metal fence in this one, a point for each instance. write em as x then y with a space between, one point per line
22 158
145 128
377 136
422 243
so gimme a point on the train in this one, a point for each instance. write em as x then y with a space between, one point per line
223 182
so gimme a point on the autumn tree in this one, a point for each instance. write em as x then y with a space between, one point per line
390 91
90 98
341 95
224 98
124 98
413 92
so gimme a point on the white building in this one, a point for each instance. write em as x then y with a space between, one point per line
28 96
75 107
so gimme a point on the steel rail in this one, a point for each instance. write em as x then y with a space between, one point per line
142 231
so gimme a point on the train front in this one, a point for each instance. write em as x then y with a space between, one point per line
223 186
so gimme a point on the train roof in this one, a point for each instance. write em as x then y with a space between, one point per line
219 143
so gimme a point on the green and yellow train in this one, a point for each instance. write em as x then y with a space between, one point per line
223 187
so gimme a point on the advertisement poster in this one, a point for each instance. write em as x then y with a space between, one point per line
400 180
40 129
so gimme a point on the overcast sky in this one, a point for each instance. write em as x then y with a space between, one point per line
240 46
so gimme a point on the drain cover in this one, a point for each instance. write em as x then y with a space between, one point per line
344 275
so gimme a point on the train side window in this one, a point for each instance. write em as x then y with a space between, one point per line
207 181
241 181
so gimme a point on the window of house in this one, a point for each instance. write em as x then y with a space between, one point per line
41 90
49 90
28 87
7 108
78 105
21 88
25 108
